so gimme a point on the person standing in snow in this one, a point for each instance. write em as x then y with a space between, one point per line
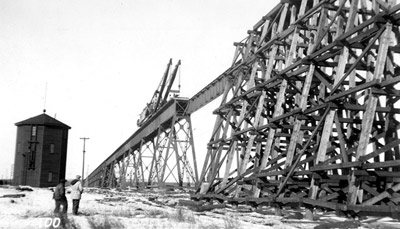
60 198
76 192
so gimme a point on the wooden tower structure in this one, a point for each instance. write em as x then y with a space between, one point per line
310 113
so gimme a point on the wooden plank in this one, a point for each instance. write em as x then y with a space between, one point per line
369 189
342 141
334 195
384 164
371 208
386 194
358 41
375 173
380 150
390 82
355 107
352 90
385 92
285 115
321 76
319 203
345 165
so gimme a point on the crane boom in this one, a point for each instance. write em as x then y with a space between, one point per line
161 94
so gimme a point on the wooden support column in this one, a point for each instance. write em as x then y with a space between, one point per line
245 158
279 101
111 175
217 155
214 155
327 130
136 169
123 169
177 156
167 153
154 176
103 176
140 163
191 139
369 114
216 132
289 60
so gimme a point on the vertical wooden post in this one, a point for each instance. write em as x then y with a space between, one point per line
369 114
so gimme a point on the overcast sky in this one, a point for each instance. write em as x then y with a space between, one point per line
103 59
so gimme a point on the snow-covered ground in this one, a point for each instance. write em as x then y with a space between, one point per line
154 208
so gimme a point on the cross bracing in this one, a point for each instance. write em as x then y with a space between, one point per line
160 152
310 112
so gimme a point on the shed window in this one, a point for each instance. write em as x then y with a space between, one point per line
50 177
52 148
34 130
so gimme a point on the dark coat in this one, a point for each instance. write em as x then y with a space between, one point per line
59 192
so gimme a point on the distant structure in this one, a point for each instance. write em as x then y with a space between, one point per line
41 151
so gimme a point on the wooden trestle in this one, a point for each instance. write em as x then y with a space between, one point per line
160 152
310 113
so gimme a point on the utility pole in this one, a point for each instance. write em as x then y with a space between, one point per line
83 161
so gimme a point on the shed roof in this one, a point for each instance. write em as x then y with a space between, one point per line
42 119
